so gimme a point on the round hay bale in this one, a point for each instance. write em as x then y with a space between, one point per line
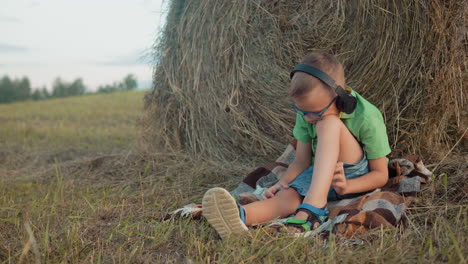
221 79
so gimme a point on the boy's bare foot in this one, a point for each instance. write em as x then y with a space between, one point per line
292 230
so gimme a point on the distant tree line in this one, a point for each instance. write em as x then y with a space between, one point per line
13 90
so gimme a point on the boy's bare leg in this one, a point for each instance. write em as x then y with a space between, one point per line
329 151
281 205
335 143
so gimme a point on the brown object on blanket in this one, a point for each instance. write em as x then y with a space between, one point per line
368 212
409 166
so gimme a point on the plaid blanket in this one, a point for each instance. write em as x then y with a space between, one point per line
383 207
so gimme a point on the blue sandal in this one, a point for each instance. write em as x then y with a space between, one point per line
315 216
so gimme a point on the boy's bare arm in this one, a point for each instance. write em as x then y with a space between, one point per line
294 169
326 157
301 162
376 178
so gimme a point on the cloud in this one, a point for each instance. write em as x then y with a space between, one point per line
9 19
7 48
34 3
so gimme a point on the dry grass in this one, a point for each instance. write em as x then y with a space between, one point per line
78 122
34 134
221 83
109 207
74 218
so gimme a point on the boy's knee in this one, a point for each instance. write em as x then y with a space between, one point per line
329 123
289 197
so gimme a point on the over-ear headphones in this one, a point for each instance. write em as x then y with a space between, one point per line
345 101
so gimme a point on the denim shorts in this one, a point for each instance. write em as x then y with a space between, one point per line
302 182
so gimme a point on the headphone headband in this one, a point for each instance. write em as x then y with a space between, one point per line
316 73
345 102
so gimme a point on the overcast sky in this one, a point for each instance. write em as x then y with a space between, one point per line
100 41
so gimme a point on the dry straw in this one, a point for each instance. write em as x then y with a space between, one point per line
221 77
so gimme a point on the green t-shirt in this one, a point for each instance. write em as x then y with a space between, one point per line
365 123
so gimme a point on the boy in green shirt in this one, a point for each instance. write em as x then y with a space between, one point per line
341 152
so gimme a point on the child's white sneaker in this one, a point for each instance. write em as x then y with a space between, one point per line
223 212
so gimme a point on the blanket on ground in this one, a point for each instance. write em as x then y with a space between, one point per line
383 207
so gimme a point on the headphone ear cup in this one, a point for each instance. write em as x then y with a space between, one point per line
339 104
345 101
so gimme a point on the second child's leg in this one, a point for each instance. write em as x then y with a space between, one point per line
281 205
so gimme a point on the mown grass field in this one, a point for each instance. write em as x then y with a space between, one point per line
75 189
89 123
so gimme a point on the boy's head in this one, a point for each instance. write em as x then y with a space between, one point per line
309 93
302 83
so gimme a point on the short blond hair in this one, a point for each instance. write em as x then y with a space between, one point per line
303 83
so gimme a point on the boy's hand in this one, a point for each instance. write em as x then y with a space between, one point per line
274 189
339 182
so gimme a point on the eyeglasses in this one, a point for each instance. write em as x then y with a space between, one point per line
311 114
